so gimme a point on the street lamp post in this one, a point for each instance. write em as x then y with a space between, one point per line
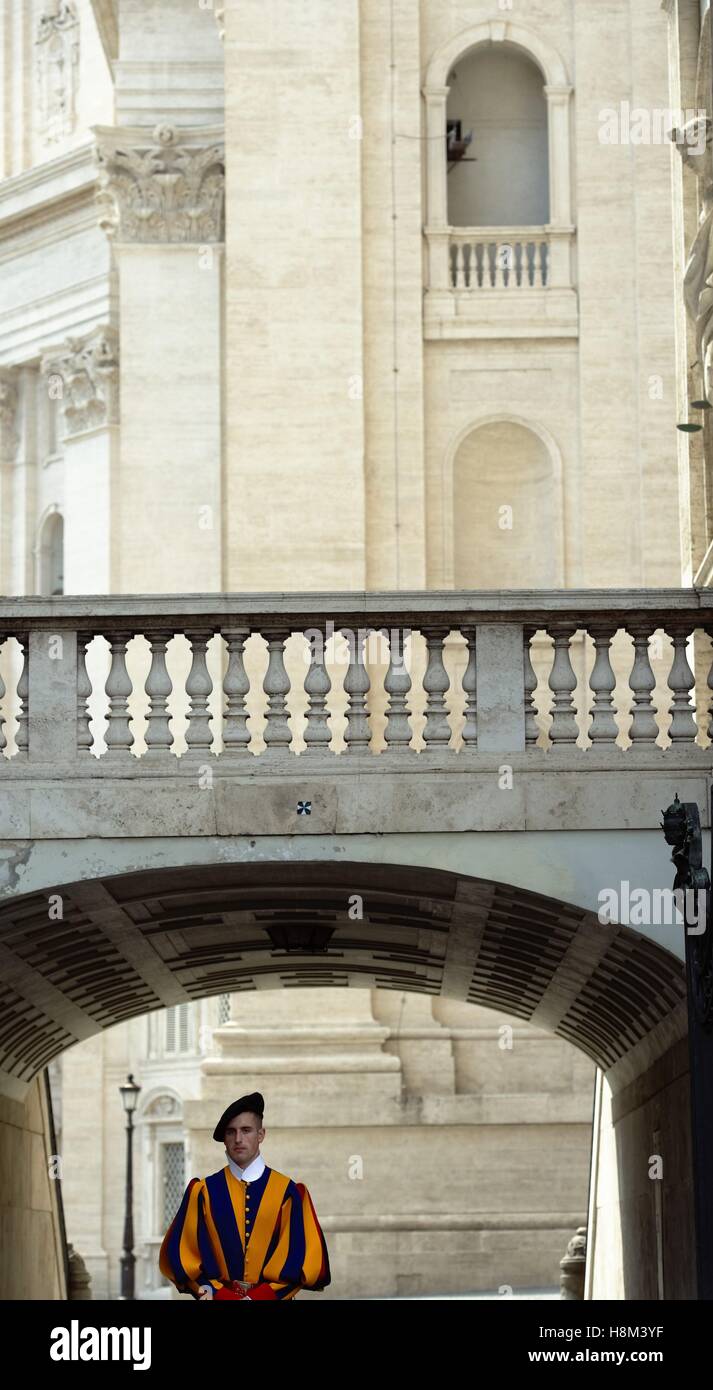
129 1096
682 830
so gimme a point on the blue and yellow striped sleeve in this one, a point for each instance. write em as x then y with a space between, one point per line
297 1258
185 1249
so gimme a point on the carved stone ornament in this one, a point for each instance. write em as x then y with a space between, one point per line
163 191
163 1106
57 68
695 146
87 373
8 414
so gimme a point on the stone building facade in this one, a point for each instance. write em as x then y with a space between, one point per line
334 297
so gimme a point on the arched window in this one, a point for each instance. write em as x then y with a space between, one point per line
506 510
51 556
505 86
497 140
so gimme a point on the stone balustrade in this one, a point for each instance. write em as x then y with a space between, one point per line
499 259
94 681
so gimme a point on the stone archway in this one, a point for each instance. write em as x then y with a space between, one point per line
134 942
128 944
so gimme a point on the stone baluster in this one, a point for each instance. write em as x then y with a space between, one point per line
542 264
198 688
460 265
452 264
357 684
23 692
118 688
470 727
490 251
681 681
276 685
562 683
397 683
158 688
318 685
517 270
436 731
505 263
644 728
532 731
602 681
84 690
236 685
477 272
530 260
3 740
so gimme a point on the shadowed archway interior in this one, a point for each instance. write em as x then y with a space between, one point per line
132 943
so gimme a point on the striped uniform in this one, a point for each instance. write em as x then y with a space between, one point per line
264 1232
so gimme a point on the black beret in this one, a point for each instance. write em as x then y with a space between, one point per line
254 1102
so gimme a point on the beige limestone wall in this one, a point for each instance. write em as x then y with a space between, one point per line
392 261
294 303
32 1265
86 1191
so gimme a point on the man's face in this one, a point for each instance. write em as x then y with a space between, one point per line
243 1138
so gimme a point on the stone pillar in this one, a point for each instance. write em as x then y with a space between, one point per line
421 1042
84 376
84 1104
161 200
8 449
392 260
295 325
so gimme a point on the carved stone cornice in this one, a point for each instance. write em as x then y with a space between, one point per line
88 376
163 188
8 414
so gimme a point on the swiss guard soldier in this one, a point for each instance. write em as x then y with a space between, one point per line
246 1232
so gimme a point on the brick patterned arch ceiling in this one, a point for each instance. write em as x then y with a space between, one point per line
132 943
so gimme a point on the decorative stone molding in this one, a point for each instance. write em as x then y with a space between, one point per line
162 189
8 414
57 68
89 373
163 1107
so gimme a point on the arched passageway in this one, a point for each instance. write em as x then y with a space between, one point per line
90 954
135 942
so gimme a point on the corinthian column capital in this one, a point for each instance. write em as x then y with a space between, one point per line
164 186
84 375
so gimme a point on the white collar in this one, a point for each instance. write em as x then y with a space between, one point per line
254 1170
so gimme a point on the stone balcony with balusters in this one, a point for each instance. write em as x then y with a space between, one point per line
366 692
500 281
